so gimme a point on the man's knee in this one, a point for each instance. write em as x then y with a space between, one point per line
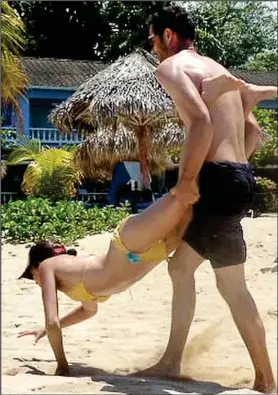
231 283
184 262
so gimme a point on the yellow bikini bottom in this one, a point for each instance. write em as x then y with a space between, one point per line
156 253
80 293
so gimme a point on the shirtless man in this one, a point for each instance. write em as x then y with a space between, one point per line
215 157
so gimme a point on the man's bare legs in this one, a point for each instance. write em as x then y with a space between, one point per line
181 268
232 286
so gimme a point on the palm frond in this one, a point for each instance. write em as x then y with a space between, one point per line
13 32
13 78
54 158
25 150
52 171
30 178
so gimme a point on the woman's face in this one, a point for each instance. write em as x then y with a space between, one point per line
36 276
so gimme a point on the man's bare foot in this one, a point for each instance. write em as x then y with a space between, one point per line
264 387
212 88
253 94
159 371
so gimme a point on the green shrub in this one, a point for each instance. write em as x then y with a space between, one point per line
35 219
268 190
51 173
268 122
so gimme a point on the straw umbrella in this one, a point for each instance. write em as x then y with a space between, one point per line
124 93
99 153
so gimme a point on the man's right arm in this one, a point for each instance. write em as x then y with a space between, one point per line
194 113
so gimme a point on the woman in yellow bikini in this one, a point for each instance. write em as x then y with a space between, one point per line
140 243
133 252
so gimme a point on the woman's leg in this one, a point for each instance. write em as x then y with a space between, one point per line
252 94
143 230
173 238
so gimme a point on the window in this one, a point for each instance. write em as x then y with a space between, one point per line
7 115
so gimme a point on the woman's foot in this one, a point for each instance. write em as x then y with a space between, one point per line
212 88
253 94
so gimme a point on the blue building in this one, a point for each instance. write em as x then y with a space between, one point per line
54 80
51 81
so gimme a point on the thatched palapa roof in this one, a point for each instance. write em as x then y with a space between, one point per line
125 97
126 91
99 153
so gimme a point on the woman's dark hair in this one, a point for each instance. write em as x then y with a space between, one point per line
174 18
41 251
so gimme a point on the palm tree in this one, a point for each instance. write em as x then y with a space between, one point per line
51 173
13 78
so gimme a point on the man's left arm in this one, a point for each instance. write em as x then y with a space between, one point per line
253 135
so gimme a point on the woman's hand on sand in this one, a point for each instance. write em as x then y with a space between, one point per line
38 333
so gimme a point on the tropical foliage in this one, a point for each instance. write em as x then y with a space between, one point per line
13 78
51 173
229 31
263 61
266 199
268 122
35 219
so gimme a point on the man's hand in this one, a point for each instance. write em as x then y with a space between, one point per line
62 369
186 192
38 333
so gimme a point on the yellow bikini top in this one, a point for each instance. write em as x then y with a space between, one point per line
156 253
80 293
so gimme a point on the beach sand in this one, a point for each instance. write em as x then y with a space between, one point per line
131 329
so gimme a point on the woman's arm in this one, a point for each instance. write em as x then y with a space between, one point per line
81 313
52 324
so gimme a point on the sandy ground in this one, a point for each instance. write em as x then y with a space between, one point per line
131 330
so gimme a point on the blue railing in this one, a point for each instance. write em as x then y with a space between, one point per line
50 136
6 197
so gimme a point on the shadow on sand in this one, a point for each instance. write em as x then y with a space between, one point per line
131 385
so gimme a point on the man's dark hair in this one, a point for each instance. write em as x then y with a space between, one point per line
174 18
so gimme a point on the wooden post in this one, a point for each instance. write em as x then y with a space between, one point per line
143 156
